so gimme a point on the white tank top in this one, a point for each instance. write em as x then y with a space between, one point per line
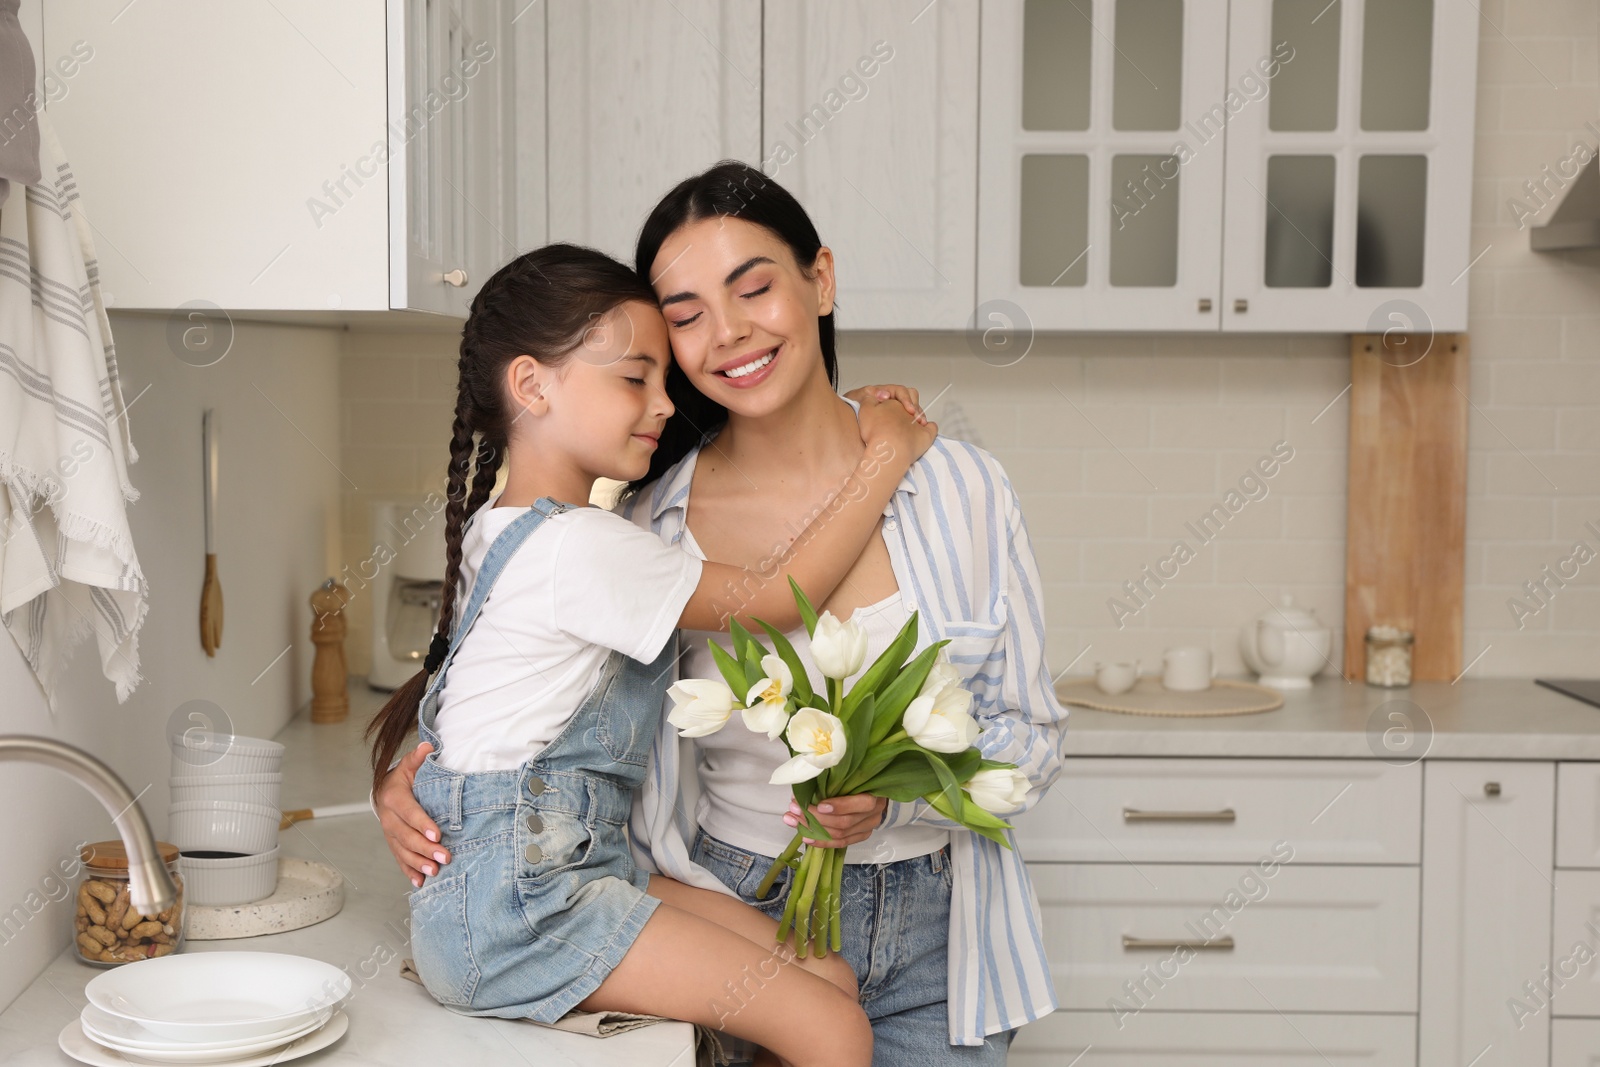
737 802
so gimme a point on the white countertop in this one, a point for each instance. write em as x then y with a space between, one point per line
392 1020
1498 718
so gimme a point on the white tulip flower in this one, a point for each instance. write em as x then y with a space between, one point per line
942 722
840 648
943 676
818 740
999 790
700 706
767 705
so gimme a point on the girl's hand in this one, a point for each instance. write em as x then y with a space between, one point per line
847 819
885 424
410 834
907 396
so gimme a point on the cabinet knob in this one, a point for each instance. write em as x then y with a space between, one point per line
1205 304
457 277
1241 305
1491 789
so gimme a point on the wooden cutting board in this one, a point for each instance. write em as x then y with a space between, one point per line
1405 554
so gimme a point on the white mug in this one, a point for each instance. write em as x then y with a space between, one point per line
1188 669
1114 678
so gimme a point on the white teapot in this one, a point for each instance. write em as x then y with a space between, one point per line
1286 645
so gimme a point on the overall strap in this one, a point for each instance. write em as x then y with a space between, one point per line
494 562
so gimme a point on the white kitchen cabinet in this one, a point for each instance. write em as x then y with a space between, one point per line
1578 815
1201 1039
1088 218
1574 944
249 173
1348 189
452 185
641 95
1204 164
1487 858
1226 811
870 116
1187 937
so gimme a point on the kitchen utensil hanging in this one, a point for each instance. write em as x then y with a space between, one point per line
211 590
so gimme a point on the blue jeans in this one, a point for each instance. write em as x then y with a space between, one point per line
895 925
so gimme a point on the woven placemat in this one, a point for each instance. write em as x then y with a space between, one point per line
1150 697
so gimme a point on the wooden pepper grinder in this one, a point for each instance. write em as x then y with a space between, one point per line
330 701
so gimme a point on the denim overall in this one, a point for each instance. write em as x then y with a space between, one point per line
541 898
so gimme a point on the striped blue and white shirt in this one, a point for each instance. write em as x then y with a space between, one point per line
961 555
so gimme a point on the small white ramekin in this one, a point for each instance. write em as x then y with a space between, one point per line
223 826
202 753
236 880
263 789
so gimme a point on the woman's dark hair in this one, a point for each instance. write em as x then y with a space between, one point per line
540 304
728 190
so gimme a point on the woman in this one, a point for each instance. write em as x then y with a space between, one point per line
941 926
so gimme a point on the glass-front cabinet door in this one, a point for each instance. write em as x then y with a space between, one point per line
1348 190
1101 162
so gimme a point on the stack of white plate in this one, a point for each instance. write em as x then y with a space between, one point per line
210 1007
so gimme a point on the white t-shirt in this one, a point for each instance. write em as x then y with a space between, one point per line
738 803
585 582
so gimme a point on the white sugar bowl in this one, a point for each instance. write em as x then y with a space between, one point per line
1286 645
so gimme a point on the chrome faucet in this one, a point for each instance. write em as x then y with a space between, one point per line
150 887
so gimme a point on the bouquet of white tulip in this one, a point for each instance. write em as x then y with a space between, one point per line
904 731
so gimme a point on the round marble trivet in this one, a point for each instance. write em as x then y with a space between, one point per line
1150 697
308 892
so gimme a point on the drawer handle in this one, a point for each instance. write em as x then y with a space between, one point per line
1224 944
1135 815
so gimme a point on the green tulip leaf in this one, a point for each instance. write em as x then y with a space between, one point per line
791 658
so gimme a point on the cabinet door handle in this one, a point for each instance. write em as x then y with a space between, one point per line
457 277
1129 944
1136 815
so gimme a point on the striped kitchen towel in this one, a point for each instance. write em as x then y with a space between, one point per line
67 564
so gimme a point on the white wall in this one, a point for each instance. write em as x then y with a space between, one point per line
277 538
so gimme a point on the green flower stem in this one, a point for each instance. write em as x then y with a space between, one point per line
779 864
787 922
812 866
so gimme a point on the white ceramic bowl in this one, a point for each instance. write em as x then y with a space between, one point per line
214 997
201 753
235 880
223 826
263 789
133 1039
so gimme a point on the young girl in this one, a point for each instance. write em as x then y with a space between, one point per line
541 703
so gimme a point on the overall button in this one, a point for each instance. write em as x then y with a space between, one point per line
535 824
536 786
534 853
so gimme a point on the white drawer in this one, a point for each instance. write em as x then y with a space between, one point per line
1226 811
1577 908
1578 815
1181 1039
1573 1043
1303 938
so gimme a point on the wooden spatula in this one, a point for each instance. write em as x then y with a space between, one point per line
211 590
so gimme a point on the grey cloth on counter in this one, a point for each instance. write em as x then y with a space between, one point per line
708 1049
19 123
